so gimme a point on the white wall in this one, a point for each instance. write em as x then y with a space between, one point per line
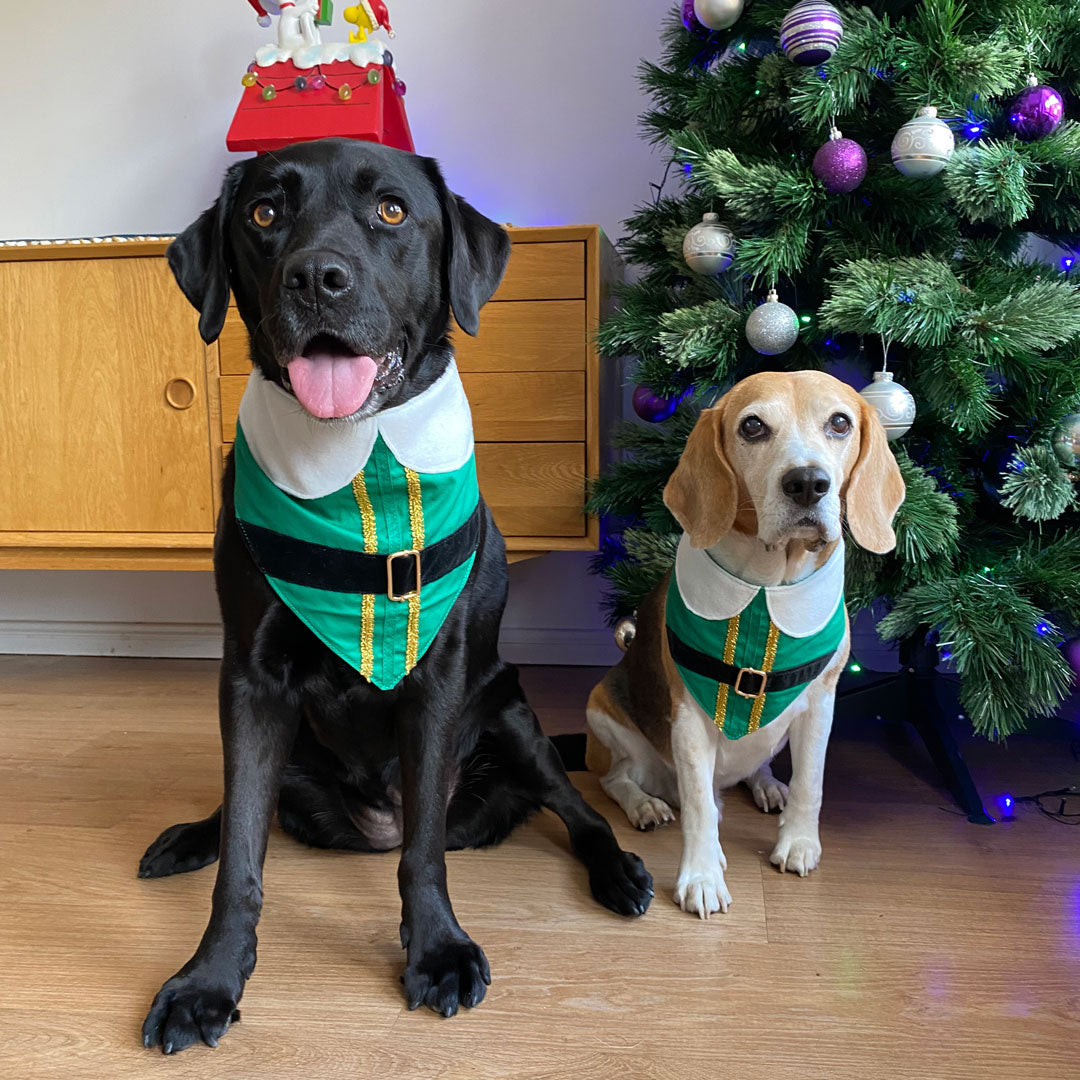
115 123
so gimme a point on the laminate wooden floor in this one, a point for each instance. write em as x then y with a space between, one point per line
924 947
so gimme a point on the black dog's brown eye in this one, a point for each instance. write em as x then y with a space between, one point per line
263 215
391 211
839 424
753 428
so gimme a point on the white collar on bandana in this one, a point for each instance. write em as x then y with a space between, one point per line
308 458
798 610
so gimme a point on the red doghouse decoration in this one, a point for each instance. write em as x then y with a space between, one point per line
302 88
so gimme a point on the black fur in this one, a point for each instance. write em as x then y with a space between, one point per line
453 757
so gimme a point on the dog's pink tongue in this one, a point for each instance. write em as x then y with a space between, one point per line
332 386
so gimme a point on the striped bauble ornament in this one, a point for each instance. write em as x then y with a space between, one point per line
810 32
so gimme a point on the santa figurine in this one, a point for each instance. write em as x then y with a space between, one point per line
296 21
368 16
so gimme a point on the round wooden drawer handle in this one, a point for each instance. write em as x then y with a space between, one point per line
180 393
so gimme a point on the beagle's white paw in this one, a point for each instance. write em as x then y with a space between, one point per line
649 812
769 793
799 854
702 893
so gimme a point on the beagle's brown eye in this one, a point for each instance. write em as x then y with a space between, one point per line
392 212
264 215
839 424
753 428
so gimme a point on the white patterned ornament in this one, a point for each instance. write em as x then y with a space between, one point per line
892 402
810 32
718 14
1066 441
709 246
772 327
923 146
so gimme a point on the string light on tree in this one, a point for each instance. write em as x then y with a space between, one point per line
810 32
716 14
923 146
772 328
709 246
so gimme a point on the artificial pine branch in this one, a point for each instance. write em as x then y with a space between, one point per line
1036 486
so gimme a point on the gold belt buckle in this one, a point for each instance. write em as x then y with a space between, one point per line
411 554
751 671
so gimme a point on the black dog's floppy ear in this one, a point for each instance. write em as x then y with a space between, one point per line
198 262
475 253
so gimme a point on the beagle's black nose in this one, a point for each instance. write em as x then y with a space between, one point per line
805 486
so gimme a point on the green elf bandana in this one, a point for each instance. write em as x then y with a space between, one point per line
310 495
786 633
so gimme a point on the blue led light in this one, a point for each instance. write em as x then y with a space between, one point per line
1066 263
687 167
945 654
1043 628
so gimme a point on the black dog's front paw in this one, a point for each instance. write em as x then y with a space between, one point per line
186 1010
621 882
181 848
447 975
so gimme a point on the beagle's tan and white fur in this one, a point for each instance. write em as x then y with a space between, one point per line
760 491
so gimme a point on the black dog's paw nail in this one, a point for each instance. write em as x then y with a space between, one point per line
446 976
186 1011
622 884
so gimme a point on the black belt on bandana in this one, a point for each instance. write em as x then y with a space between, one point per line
750 682
398 575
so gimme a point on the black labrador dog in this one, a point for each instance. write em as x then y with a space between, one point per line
362 249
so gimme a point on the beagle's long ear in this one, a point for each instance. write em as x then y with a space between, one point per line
475 253
875 488
198 260
703 493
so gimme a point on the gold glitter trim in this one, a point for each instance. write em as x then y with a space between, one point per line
416 524
766 665
729 657
367 602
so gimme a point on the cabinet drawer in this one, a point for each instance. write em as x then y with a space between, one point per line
545 272
526 335
547 406
519 407
534 489
233 345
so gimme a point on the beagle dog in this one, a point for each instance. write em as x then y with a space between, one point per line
739 648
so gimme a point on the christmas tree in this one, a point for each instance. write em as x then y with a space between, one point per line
937 245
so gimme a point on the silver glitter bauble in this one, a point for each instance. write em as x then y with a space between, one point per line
892 402
709 247
1066 441
624 633
773 327
922 147
810 32
718 14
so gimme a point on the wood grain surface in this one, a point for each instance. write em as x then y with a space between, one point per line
88 440
924 948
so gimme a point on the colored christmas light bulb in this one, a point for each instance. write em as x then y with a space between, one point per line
248 79
317 82
268 93
344 92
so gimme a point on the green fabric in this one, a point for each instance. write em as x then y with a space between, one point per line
708 636
335 520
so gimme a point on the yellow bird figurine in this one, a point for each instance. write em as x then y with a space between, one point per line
367 16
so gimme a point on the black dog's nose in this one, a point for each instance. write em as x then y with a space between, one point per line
805 486
320 273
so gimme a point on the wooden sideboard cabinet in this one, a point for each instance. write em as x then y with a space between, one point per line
115 418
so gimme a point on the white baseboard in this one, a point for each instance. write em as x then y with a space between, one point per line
518 644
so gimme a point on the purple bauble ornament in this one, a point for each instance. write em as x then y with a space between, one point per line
654 407
1036 111
840 164
1071 651
810 32
689 19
